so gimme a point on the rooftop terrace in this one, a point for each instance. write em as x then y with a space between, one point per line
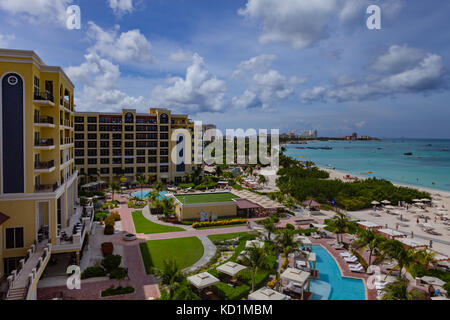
206 198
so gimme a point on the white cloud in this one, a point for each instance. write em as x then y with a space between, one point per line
402 70
38 10
5 39
255 64
360 124
181 56
303 23
121 7
199 91
100 78
130 46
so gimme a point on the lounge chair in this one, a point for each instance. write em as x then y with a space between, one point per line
346 254
357 269
351 259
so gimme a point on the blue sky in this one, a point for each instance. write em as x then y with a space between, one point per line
291 64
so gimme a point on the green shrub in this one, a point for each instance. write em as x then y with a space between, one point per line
100 215
226 292
290 226
93 272
109 230
117 291
111 262
118 273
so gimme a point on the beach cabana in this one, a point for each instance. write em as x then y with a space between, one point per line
304 240
413 243
297 280
311 204
303 257
368 225
391 234
267 294
202 280
257 243
231 268
433 281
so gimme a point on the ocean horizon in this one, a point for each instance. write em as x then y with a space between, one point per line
417 162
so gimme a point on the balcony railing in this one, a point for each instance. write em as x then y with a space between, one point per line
44 164
46 187
44 143
46 120
66 104
65 123
43 96
66 141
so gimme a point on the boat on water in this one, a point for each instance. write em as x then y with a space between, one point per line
330 167
445 149
408 154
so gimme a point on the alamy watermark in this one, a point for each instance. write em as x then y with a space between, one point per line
73 17
374 20
74 280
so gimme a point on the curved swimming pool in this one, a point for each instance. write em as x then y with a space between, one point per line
141 194
331 285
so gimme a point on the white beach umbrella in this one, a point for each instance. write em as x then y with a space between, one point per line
385 202
375 203
425 200
416 200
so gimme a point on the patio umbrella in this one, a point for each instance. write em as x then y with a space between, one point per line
425 200
385 202
416 200
389 207
375 203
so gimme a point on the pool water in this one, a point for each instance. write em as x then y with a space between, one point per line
331 285
142 194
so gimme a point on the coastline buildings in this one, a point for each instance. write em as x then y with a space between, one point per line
38 187
307 134
114 145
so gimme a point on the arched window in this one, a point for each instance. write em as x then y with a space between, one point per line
129 118
164 118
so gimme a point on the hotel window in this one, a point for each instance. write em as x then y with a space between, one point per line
92 161
104 136
79 136
164 118
92 144
164 152
117 144
92 127
117 152
79 119
104 170
37 86
140 152
164 144
152 152
92 119
129 152
79 153
117 136
104 144
104 153
129 161
153 128
82 171
140 160
129 170
140 169
152 169
178 179
152 160
92 171
104 161
117 160
92 153
129 136
79 127
129 145
129 128
92 136
164 160
164 129
129 118
14 238
79 162
79 144
164 169
164 136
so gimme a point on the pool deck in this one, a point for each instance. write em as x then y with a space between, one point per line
371 294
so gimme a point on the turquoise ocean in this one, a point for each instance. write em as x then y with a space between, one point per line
418 162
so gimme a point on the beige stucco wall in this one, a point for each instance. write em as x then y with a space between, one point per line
192 212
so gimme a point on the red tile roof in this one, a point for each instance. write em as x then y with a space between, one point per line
3 218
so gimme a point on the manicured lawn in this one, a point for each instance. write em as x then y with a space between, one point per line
143 225
186 251
206 198
226 236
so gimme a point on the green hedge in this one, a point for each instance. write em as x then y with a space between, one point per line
117 291
93 272
226 292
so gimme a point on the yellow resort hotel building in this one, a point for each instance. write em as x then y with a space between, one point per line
111 146
38 179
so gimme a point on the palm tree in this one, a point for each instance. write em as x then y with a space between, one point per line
398 290
256 259
168 206
393 249
152 195
340 224
262 179
425 258
286 242
141 179
114 186
269 226
370 240
170 275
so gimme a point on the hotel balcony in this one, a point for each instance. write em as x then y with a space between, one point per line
44 167
65 104
46 188
65 143
22 282
44 122
44 144
44 99
65 124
